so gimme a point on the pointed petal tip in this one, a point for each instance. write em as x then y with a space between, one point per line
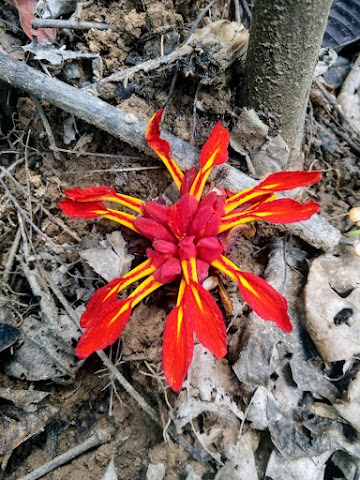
74 209
178 346
105 331
89 194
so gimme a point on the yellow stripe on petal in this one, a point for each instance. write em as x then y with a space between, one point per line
245 196
247 285
175 172
181 292
226 266
123 218
197 298
189 270
201 178
231 221
127 201
162 148
180 318
141 271
125 306
143 290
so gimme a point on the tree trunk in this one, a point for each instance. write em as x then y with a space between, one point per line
283 49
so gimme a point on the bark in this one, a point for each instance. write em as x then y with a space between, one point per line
283 49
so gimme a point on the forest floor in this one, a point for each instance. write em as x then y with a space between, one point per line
278 406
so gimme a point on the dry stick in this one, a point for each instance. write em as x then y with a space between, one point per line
22 212
237 11
247 10
149 65
198 19
99 437
339 131
130 129
52 217
197 454
11 257
119 170
155 63
201 457
354 132
70 24
48 130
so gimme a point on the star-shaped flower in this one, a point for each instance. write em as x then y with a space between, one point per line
187 238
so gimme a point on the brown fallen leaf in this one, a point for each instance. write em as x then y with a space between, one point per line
26 10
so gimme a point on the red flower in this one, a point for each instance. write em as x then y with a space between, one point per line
186 240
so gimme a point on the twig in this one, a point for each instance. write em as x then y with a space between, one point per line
61 297
237 11
156 63
198 19
193 130
28 219
84 153
130 129
148 65
11 257
119 170
70 24
128 387
48 130
99 437
332 100
340 133
52 217
247 10
199 455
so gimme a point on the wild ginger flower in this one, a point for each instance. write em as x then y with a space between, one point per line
187 238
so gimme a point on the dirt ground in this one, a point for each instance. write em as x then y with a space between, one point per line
49 402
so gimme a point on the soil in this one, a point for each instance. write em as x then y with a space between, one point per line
92 400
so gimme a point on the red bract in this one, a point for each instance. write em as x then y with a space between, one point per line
187 238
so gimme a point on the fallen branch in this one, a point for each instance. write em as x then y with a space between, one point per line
99 437
130 129
70 24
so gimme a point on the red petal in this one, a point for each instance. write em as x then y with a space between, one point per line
188 180
277 182
215 201
156 211
165 248
187 249
181 214
96 302
214 152
216 146
102 192
108 293
89 194
209 249
178 346
206 319
282 211
202 269
152 230
101 334
264 300
205 224
168 271
82 210
285 210
162 147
